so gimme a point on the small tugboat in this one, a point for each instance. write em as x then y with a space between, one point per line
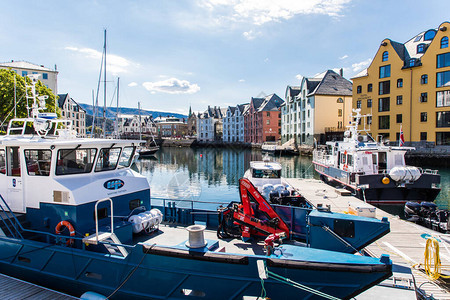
76 218
269 207
429 215
374 172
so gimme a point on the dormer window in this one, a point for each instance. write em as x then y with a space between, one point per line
444 42
421 48
385 56
429 35
412 62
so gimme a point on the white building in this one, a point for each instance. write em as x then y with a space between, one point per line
130 125
70 110
316 109
47 76
209 125
233 124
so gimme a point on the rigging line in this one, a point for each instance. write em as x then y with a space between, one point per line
131 273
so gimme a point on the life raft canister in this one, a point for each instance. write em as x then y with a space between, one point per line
59 228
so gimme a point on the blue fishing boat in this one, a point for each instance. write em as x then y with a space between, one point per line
76 218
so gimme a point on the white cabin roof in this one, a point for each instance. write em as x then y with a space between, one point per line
261 165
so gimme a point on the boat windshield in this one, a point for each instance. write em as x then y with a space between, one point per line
126 158
2 162
266 173
107 159
75 161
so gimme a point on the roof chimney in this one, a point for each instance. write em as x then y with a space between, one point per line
341 72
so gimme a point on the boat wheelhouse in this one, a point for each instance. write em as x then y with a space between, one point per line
375 172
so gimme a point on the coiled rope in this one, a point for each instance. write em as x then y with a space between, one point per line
432 260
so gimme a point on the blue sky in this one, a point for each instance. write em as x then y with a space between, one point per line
175 53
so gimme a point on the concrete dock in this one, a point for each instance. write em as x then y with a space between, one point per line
404 243
12 288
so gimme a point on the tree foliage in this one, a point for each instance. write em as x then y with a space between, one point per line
7 96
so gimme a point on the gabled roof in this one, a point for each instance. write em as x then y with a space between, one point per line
332 84
232 109
25 65
292 91
271 103
62 98
256 102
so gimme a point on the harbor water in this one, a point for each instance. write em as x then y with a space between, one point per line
209 176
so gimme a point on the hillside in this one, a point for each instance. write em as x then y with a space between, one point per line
111 112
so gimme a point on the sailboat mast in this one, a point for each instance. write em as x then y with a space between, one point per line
117 109
104 89
140 122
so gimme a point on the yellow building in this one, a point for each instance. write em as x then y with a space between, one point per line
408 85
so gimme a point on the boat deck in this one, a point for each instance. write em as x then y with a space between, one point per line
404 243
12 288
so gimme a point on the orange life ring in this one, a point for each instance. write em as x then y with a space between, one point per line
59 229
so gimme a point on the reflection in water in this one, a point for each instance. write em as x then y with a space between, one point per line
212 174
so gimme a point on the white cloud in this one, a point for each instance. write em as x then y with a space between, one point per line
251 35
241 80
299 77
343 57
361 65
263 11
131 84
172 86
114 63
266 60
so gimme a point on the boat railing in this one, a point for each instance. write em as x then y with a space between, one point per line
9 219
187 211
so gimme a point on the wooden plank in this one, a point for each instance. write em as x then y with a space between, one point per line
12 288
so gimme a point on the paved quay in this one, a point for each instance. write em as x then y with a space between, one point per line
404 243
12 288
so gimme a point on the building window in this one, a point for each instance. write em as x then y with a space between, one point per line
358 89
400 83
385 71
423 97
423 116
44 76
442 138
421 48
443 60
385 56
399 118
24 73
384 87
358 104
399 100
369 102
268 114
443 79
444 42
339 112
424 79
268 122
443 119
383 122
369 87
412 62
383 104
443 99
369 120
423 136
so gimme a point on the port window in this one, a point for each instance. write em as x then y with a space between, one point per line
38 162
126 158
13 161
2 162
107 159
75 161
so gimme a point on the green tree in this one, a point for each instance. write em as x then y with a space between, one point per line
7 96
